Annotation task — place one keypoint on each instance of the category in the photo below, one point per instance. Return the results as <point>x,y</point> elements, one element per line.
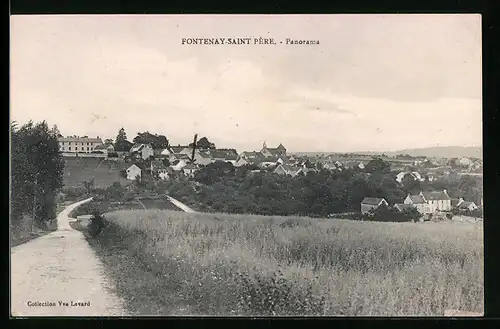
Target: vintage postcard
<point>246,165</point>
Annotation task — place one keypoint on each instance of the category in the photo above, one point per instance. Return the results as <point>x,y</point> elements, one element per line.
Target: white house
<point>415,175</point>
<point>402,207</point>
<point>202,158</point>
<point>166,152</point>
<point>133,172</point>
<point>189,169</point>
<point>369,203</point>
<point>181,164</point>
<point>429,202</point>
<point>466,162</point>
<point>361,165</point>
<point>467,205</point>
<point>143,151</point>
<point>76,144</point>
<point>241,162</point>
<point>284,169</point>
<point>418,202</point>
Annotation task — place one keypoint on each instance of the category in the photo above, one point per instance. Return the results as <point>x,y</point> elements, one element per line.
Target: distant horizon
<point>271,145</point>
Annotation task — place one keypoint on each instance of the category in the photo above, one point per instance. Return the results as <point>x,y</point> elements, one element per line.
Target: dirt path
<point>180,205</point>
<point>51,275</point>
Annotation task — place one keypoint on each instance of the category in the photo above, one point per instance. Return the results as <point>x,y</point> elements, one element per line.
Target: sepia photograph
<point>246,165</point>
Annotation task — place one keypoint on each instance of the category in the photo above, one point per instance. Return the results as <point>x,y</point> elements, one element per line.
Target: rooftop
<point>372,201</point>
<point>79,139</point>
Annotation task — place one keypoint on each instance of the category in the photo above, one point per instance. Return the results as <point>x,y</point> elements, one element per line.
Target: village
<point>142,160</point>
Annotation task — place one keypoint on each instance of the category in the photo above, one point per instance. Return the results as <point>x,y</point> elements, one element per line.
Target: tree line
<point>157,141</point>
<point>220,187</point>
<point>36,172</point>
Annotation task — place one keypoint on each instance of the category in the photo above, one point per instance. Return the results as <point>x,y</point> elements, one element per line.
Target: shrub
<point>96,223</point>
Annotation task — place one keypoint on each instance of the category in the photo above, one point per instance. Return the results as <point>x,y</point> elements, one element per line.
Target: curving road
<point>59,275</point>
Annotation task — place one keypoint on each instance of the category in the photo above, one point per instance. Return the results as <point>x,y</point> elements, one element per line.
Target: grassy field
<point>175,263</point>
<point>78,170</point>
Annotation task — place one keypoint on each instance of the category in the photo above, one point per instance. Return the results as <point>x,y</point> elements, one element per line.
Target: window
<point>82,148</point>
<point>87,148</point>
<point>69,148</point>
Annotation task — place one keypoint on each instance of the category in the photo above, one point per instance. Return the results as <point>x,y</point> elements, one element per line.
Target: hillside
<point>432,152</point>
<point>443,152</point>
<point>78,170</point>
<point>178,263</point>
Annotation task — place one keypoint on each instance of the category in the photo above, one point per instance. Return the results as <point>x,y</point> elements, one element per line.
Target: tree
<point>156,141</point>
<point>203,143</point>
<point>36,171</point>
<point>108,142</point>
<point>410,184</point>
<point>55,131</point>
<point>121,142</point>
<point>378,165</point>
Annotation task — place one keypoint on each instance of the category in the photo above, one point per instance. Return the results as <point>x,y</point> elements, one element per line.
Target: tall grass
<point>219,264</point>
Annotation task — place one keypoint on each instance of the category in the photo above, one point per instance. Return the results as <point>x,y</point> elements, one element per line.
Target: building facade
<point>76,144</point>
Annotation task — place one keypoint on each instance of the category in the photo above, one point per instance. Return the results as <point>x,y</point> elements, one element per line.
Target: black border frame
<point>491,120</point>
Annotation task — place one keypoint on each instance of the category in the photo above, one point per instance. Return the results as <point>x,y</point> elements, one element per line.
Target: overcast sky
<point>375,82</point>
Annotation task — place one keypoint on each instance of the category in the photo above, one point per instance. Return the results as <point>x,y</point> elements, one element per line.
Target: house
<point>438,200</point>
<point>415,175</point>
<point>157,151</point>
<point>187,150</point>
<point>160,170</point>
<point>255,158</point>
<point>142,151</point>
<point>178,149</point>
<point>361,165</point>
<point>133,172</point>
<point>369,203</point>
<point>177,165</point>
<point>202,158</point>
<point>189,169</point>
<point>278,151</point>
<point>282,160</point>
<point>467,205</point>
<point>101,149</point>
<point>76,144</point>
<point>225,155</point>
<point>419,202</point>
<point>241,162</point>
<point>456,202</point>
<point>429,202</point>
<point>306,170</point>
<point>465,162</point>
<point>284,169</point>
<point>403,207</point>
<point>400,176</point>
<point>329,166</point>
<point>166,153</point>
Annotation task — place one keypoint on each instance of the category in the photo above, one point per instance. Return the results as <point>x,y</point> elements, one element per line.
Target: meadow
<point>174,263</point>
